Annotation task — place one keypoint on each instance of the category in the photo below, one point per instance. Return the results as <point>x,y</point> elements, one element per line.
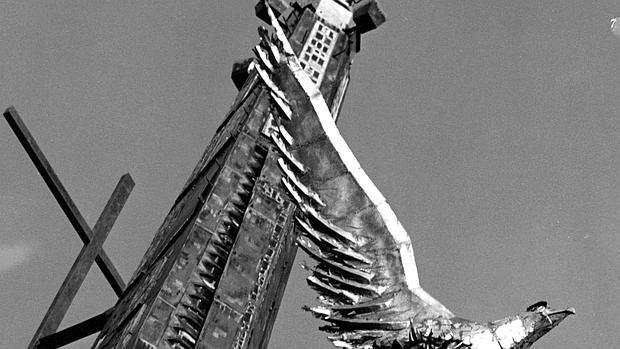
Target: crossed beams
<point>46,335</point>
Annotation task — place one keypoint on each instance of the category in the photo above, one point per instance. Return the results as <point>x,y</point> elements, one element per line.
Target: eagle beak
<point>569,311</point>
<point>557,316</point>
<point>544,320</point>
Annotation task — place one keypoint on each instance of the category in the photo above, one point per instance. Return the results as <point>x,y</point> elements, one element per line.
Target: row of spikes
<point>185,328</point>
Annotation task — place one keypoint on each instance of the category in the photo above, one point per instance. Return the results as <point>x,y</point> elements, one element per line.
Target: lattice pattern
<point>317,50</point>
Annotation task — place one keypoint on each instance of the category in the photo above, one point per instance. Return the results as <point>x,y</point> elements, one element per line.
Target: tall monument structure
<point>215,273</point>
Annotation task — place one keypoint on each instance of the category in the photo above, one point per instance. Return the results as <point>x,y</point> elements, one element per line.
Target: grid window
<point>317,51</point>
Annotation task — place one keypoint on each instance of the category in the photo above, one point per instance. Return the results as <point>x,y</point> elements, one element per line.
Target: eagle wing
<point>365,270</point>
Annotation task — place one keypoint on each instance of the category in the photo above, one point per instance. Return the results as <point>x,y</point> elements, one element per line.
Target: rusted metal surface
<point>62,197</point>
<point>70,286</point>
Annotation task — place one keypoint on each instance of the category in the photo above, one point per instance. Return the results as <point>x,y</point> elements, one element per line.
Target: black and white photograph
<point>309,174</point>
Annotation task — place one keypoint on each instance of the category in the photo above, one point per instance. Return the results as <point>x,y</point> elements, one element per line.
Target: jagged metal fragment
<point>289,187</point>
<point>286,135</point>
<point>365,324</point>
<point>333,230</point>
<point>267,80</point>
<point>318,237</point>
<point>278,142</point>
<point>262,55</point>
<point>334,266</point>
<point>325,288</point>
<point>282,105</point>
<point>265,41</point>
<point>333,247</point>
<point>353,286</point>
<point>303,188</point>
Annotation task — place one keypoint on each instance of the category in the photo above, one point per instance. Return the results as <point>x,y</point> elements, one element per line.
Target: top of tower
<point>359,15</point>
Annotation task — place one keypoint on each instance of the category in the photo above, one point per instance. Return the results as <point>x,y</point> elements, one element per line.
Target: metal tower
<point>215,273</point>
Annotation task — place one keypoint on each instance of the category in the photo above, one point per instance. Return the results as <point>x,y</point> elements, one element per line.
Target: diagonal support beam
<point>81,266</point>
<point>62,197</point>
<point>75,332</point>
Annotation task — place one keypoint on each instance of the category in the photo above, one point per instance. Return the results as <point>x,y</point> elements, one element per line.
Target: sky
<point>491,126</point>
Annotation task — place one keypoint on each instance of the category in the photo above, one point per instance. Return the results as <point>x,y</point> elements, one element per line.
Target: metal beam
<point>81,266</point>
<point>75,332</point>
<point>62,197</point>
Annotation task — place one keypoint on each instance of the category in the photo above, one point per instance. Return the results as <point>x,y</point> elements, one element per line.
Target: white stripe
<point>263,57</point>
<point>346,155</point>
<point>287,136</point>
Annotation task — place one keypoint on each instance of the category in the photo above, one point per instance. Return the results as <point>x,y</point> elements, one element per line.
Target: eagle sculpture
<point>365,272</point>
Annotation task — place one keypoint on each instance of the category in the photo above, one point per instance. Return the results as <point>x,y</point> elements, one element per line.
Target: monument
<point>276,176</point>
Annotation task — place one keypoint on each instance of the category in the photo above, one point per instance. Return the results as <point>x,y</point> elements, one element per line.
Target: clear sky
<point>492,127</point>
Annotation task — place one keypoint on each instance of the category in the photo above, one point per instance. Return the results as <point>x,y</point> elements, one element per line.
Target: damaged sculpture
<point>365,273</point>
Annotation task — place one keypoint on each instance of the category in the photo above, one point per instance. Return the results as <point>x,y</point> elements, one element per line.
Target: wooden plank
<point>75,332</point>
<point>81,266</point>
<point>62,197</point>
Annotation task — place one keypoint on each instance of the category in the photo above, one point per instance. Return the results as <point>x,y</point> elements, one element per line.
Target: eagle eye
<point>536,306</point>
